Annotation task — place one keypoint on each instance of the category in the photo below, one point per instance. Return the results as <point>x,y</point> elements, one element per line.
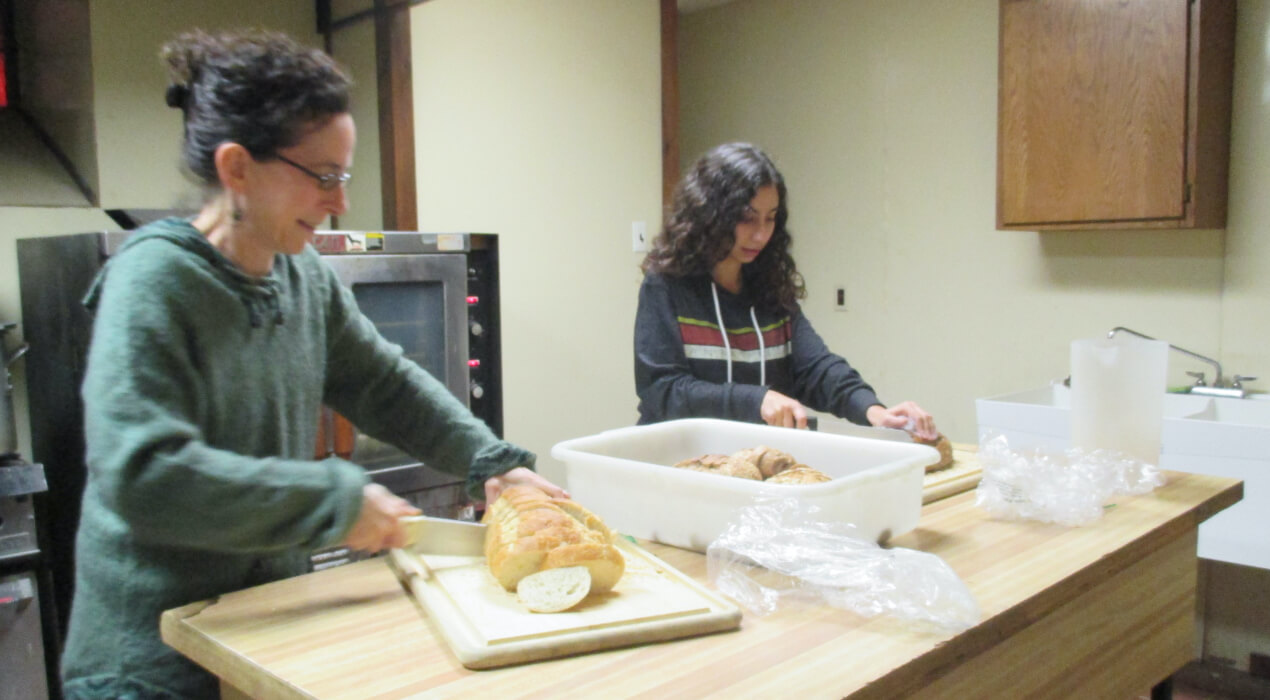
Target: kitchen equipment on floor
<point>28,645</point>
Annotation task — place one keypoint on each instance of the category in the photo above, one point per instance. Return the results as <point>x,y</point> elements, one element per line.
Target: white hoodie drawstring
<point>727,346</point>
<point>762,352</point>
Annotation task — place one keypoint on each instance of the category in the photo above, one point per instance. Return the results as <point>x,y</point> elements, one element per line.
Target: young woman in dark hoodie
<point>215,342</point>
<point>719,332</point>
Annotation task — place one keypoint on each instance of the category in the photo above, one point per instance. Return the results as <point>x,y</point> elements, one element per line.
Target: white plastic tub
<point>626,477</point>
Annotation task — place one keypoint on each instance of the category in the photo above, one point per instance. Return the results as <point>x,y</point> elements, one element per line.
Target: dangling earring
<point>237,214</point>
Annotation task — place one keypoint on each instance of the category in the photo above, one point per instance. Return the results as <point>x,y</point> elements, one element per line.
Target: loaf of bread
<point>799,474</point>
<point>529,531</point>
<point>942,444</point>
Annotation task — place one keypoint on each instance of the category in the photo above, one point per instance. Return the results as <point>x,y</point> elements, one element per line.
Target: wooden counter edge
<point>176,633</point>
<point>920,671</point>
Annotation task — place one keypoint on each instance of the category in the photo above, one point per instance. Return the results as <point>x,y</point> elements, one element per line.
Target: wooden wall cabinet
<point>1114,114</point>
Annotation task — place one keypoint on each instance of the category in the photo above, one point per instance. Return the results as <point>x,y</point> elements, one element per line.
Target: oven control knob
<point>477,390</point>
<point>477,329</point>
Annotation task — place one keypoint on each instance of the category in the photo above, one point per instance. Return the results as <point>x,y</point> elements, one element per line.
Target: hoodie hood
<point>259,294</point>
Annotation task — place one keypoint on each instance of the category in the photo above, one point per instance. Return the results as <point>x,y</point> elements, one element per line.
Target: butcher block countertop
<point>1105,610</point>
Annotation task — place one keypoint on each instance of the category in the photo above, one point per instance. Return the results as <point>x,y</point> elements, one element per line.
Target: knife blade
<point>428,535</point>
<point>842,427</point>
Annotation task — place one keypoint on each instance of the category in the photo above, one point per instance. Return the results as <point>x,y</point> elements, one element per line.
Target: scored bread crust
<point>799,474</point>
<point>529,531</point>
<point>768,461</point>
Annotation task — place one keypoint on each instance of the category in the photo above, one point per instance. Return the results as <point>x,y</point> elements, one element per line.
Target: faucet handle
<point>1239,380</point>
<point>1199,378</point>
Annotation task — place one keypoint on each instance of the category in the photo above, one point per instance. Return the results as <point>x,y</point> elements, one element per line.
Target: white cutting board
<point>486,626</point>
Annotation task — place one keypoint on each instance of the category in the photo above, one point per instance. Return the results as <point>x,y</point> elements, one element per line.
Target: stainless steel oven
<point>435,295</point>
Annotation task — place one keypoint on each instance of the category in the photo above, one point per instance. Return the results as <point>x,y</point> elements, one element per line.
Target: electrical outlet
<point>639,236</point>
<point>840,298</point>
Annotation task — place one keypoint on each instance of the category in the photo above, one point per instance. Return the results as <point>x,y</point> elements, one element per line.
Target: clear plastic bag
<point>779,550</point>
<point>1068,488</point>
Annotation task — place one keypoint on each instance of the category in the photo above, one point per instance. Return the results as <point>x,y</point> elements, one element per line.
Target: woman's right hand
<point>781,410</point>
<point>377,527</point>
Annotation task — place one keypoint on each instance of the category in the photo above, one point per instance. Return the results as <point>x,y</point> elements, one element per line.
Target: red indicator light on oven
<point>473,300</point>
<point>473,363</point>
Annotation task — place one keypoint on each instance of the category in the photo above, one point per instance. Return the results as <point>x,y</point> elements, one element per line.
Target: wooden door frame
<point>395,90</point>
<point>669,99</point>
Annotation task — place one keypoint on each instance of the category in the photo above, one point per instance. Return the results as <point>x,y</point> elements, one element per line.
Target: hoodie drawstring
<point>727,346</point>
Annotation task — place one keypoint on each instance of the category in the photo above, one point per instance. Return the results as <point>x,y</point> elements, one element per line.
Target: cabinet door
<point>1096,124</point>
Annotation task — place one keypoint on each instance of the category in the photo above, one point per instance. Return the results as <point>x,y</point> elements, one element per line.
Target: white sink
<point>1235,412</point>
<point>1200,434</point>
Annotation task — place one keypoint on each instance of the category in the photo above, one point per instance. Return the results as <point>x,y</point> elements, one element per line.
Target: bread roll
<point>768,461</point>
<point>722,465</point>
<point>529,531</point>
<point>799,474</point>
<point>704,463</point>
<point>554,590</point>
<point>942,444</point>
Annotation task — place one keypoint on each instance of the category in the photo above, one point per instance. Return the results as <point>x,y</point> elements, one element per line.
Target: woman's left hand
<point>520,476</point>
<point>905,416</point>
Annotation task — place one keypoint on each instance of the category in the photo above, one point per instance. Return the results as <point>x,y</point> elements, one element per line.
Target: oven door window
<point>420,303</point>
<point>409,314</point>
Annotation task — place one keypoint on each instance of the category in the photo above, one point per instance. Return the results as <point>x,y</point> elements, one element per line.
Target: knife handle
<point>407,566</point>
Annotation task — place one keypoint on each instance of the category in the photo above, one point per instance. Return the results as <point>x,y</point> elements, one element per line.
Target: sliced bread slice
<point>554,590</point>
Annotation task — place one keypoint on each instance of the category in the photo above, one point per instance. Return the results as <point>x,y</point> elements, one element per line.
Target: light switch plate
<point>639,236</point>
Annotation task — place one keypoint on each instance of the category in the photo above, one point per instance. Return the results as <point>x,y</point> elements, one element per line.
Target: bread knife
<point>428,535</point>
<point>842,427</point>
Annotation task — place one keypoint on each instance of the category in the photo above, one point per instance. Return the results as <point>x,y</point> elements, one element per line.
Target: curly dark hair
<point>700,226</point>
<point>252,87</point>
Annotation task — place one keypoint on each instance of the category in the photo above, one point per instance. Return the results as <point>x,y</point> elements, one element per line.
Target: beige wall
<point>138,136</point>
<point>540,121</point>
<point>1245,338</point>
<point>882,117</point>
<point>353,45</point>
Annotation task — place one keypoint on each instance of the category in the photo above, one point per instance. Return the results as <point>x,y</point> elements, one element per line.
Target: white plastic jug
<point>1117,399</point>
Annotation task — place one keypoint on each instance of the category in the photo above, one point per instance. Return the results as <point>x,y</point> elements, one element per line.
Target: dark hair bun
<point>177,95</point>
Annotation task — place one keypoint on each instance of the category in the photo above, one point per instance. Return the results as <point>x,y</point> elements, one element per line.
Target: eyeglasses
<point>325,182</point>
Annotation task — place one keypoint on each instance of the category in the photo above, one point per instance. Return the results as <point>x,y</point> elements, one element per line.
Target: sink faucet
<point>1218,388</point>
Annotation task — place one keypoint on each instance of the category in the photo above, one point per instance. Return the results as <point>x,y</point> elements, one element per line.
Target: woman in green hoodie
<point>215,342</point>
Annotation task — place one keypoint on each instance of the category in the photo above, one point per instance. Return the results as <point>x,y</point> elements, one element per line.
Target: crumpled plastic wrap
<point>1068,488</point>
<point>780,550</point>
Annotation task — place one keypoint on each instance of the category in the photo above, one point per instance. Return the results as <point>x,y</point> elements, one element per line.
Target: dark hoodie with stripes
<point>681,357</point>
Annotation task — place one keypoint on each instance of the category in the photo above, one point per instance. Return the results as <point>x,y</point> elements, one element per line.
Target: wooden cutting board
<point>964,474</point>
<point>486,627</point>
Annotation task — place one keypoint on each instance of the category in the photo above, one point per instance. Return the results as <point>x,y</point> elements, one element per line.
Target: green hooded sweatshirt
<point>201,399</point>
